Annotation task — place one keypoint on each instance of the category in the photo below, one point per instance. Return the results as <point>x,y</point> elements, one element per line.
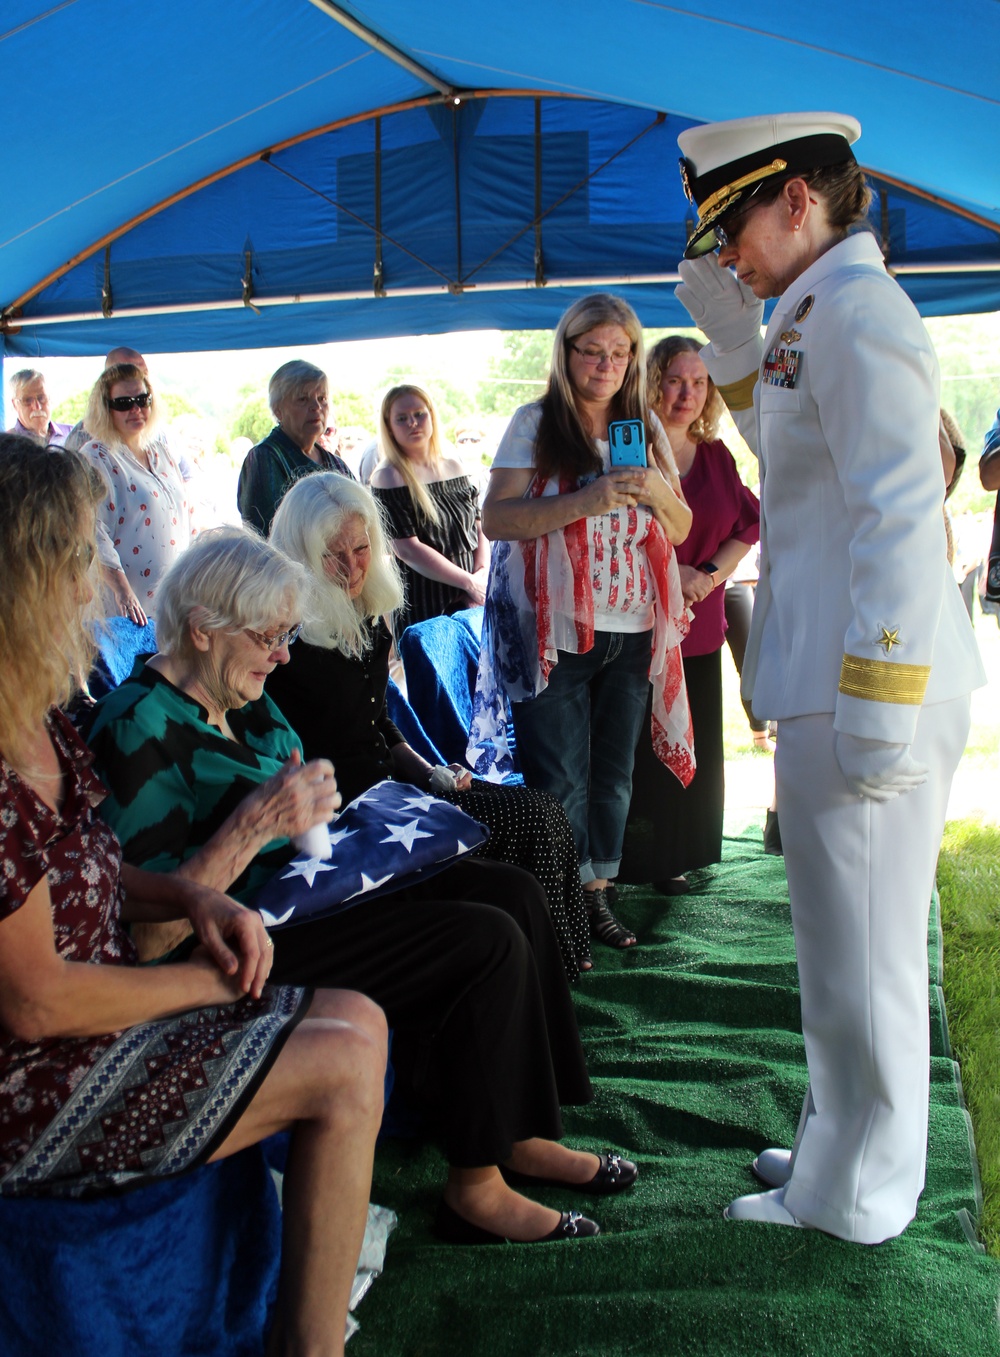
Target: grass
<point>969,885</point>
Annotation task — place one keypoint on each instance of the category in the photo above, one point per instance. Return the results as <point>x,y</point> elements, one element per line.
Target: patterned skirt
<point>160,1099</point>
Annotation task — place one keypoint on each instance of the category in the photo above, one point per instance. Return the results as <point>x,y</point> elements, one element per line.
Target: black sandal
<point>603,924</point>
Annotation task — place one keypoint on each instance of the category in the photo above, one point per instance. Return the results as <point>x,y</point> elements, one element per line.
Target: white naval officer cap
<point>725,163</point>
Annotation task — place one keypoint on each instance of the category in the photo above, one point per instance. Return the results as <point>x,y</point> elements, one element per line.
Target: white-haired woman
<point>299,397</point>
<point>144,521</point>
<point>93,1047</point>
<point>432,511</point>
<point>204,776</point>
<point>333,692</point>
<point>585,607</point>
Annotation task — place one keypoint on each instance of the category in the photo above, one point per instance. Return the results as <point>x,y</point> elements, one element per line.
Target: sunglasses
<point>123,403</point>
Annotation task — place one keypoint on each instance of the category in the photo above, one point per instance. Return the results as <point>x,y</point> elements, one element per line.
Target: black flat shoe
<point>672,885</point>
<point>615,1174</point>
<point>453,1229</point>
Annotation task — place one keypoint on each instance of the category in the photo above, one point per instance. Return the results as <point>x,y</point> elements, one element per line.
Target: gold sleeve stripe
<point>739,395</point>
<point>884,681</point>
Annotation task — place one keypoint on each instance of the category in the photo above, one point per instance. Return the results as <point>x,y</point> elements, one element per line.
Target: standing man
<point>31,405</point>
<point>860,646</point>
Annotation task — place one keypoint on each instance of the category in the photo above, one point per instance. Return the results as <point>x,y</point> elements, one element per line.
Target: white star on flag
<point>308,868</point>
<point>339,835</point>
<point>405,834</point>
<point>367,884</point>
<point>419,802</point>
<point>273,920</point>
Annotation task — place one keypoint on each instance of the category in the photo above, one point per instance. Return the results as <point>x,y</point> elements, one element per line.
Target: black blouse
<point>336,706</point>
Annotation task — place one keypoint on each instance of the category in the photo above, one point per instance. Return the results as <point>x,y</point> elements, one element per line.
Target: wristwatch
<point>710,568</point>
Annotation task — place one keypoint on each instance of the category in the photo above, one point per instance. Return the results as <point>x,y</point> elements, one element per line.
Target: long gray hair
<point>314,511</point>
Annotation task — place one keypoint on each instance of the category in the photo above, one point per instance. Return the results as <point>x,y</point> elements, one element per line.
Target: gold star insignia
<point>888,639</point>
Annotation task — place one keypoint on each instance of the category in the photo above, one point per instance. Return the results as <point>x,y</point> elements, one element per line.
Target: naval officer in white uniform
<point>860,646</point>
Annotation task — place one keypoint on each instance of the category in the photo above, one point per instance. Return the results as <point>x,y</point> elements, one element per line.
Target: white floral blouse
<point>145,522</point>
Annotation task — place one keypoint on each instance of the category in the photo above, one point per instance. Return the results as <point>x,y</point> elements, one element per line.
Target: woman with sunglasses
<point>585,608</point>
<point>144,521</point>
<point>859,647</point>
<point>432,511</point>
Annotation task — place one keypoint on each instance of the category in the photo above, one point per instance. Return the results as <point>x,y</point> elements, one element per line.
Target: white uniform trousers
<point>860,878</point>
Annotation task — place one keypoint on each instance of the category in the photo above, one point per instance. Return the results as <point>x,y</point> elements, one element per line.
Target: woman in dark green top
<point>204,771</point>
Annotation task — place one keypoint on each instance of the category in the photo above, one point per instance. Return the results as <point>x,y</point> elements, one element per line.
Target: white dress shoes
<point>766,1207</point>
<point>773,1167</point>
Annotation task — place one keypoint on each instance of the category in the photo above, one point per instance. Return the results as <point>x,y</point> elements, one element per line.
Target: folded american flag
<point>390,837</point>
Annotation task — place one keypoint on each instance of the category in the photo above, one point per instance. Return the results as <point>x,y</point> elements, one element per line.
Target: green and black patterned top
<point>174,779</point>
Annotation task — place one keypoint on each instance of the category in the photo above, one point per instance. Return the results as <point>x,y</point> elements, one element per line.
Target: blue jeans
<point>577,740</point>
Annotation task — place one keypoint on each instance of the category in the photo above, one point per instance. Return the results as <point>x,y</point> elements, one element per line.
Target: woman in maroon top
<point>672,829</point>
<point>112,1075</point>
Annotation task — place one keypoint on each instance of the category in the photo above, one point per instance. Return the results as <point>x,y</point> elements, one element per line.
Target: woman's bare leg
<point>327,1083</point>
<point>481,1196</point>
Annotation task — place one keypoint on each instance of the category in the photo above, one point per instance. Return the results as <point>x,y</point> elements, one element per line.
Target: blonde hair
<point>705,428</point>
<point>315,510</point>
<point>98,421</point>
<point>391,452</point>
<point>47,544</point>
<point>563,445</point>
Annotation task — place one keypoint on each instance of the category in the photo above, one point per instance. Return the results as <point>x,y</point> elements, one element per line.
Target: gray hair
<point>22,379</point>
<point>291,377</point>
<point>313,512</point>
<point>229,579</point>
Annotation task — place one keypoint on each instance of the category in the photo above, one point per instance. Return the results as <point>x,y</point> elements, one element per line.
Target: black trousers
<point>467,969</point>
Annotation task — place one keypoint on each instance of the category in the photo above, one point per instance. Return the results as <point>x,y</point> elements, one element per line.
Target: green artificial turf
<point>694,1046</point>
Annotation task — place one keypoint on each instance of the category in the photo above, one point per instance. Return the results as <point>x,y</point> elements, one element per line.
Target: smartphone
<point>627,438</point>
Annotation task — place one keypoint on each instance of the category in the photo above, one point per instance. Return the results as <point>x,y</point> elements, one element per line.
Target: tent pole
<point>367,35</point>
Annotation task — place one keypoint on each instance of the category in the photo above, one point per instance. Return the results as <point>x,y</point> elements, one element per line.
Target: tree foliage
<point>520,375</point>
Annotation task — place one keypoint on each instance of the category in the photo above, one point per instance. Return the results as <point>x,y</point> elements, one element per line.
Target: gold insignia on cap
<point>884,681</point>
<point>804,307</point>
<point>686,180</point>
<point>716,203</point>
<point>790,336</point>
<point>888,639</point>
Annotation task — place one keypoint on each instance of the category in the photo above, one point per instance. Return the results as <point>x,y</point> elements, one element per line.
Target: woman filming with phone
<point>584,608</point>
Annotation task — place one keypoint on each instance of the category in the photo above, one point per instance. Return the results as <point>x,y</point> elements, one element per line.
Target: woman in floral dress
<point>111,1075</point>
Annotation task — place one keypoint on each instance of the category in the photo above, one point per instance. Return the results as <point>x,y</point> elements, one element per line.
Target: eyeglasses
<point>277,641</point>
<point>32,401</point>
<point>123,403</point>
<point>414,417</point>
<point>592,357</point>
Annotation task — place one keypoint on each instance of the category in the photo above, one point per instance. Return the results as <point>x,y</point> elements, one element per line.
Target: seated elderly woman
<point>299,397</point>
<point>333,692</point>
<point>205,777</point>
<point>74,1005</point>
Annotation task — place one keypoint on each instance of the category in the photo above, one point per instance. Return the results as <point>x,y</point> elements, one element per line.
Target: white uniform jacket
<point>857,612</point>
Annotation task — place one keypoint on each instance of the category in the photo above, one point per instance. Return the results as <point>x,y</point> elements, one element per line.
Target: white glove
<point>719,303</point>
<point>876,769</point>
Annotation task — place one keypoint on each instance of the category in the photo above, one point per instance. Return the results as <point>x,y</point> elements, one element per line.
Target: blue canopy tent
<point>280,171</point>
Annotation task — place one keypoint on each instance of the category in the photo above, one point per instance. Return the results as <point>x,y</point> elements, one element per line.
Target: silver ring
<point>269,943</point>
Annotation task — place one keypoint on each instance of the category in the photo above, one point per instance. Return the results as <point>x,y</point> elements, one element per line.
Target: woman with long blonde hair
<point>81,1022</point>
<point>432,511</point>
